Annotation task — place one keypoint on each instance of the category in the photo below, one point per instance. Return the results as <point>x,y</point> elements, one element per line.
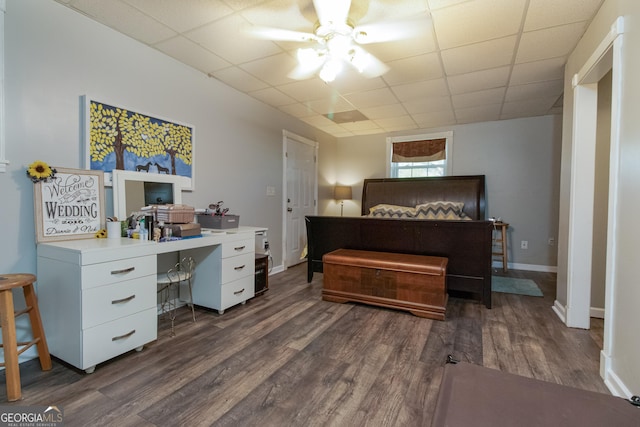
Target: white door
<point>300,194</point>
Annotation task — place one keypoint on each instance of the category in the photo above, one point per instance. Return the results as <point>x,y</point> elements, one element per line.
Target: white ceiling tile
<point>272,69</point>
<point>525,108</point>
<point>361,125</point>
<point>415,68</point>
<point>486,79</point>
<point>183,15</point>
<point>538,71</point>
<point>437,118</point>
<point>417,42</point>
<point>396,123</point>
<point>298,110</point>
<point>272,97</point>
<point>283,14</point>
<point>428,105</point>
<point>387,10</point>
<point>384,111</point>
<point>480,20</point>
<point>309,90</point>
<point>239,79</point>
<point>550,89</point>
<point>232,28</point>
<point>350,81</point>
<point>549,43</point>
<point>372,98</point>
<point>439,4</point>
<point>479,56</point>
<point>330,105</point>
<point>551,13</point>
<point>190,53</point>
<point>475,99</point>
<point>126,19</point>
<point>242,4</point>
<point>485,113</point>
<point>318,121</point>
<point>421,90</point>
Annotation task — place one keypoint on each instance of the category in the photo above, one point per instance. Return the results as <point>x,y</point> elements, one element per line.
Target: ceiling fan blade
<point>304,71</point>
<point>332,11</point>
<point>279,34</point>
<point>367,64</point>
<point>380,32</point>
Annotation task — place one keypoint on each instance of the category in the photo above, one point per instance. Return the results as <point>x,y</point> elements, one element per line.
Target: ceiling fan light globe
<point>330,70</point>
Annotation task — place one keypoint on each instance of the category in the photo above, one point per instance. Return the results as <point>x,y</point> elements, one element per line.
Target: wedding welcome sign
<point>70,205</point>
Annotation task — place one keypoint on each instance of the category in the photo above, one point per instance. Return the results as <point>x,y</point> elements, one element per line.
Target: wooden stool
<point>8,323</point>
<point>500,228</point>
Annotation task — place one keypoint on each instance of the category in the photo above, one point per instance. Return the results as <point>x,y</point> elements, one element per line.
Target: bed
<point>465,242</point>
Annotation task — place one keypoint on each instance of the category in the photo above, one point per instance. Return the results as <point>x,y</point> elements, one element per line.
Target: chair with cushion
<point>168,282</point>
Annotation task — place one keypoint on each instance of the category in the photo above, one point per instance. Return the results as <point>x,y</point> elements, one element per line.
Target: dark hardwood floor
<point>287,358</point>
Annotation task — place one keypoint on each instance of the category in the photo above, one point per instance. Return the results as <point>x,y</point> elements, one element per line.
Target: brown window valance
<point>420,151</point>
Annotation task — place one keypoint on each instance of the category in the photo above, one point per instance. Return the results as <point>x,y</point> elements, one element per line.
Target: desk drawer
<point>111,339</point>
<point>237,267</point>
<point>237,292</point>
<point>238,247</point>
<point>115,271</point>
<point>110,302</point>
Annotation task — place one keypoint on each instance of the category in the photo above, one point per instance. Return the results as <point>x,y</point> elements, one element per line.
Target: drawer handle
<point>239,268</point>
<point>239,248</point>
<point>120,301</point>
<point>239,292</point>
<point>121,337</point>
<point>126,270</point>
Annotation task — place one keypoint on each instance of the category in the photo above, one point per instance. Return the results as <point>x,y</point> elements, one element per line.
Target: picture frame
<point>69,206</point>
<point>119,138</point>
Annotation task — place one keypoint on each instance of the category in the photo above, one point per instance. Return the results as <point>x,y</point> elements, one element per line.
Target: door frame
<point>286,135</point>
<point>607,56</point>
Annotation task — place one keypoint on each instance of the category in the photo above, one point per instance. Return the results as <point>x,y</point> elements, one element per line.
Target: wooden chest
<point>415,283</point>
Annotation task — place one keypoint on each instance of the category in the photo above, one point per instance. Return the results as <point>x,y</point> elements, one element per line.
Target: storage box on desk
<point>218,221</point>
<point>175,214</point>
<point>185,230</point>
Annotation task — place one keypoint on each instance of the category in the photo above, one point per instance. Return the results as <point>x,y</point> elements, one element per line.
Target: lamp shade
<point>342,192</point>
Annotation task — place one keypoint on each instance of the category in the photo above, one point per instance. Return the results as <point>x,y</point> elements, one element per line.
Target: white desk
<point>98,297</point>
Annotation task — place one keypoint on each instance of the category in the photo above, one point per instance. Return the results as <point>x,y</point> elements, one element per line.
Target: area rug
<point>511,285</point>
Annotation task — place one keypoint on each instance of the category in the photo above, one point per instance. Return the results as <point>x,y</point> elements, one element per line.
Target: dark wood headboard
<point>413,191</point>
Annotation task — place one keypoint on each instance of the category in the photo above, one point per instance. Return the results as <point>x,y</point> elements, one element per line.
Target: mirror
<point>129,190</point>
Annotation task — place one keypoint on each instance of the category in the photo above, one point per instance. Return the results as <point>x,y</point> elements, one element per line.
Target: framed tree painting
<point>119,138</point>
<point>69,206</point>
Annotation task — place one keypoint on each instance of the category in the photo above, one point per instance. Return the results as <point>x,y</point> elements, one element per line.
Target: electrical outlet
<point>524,244</point>
<point>551,241</point>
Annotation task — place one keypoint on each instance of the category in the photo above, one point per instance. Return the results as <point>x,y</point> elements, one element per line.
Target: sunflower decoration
<point>40,171</point>
<point>101,234</point>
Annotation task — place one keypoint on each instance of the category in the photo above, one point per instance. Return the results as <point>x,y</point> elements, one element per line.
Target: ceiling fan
<point>336,41</point>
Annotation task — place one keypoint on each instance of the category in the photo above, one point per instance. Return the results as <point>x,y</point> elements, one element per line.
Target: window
<point>420,155</point>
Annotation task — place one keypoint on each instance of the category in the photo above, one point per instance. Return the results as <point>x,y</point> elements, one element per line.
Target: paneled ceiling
<point>471,60</point>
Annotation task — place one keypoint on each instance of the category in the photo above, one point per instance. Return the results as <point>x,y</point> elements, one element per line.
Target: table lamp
<point>342,193</point>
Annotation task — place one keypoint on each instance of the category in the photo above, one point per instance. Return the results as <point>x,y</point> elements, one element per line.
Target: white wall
<point>54,55</point>
<point>621,365</point>
<point>521,161</point>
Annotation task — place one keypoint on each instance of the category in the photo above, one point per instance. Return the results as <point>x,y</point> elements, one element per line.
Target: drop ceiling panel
<point>415,68</point>
<point>473,54</point>
<point>551,13</point>
<point>486,79</point>
<point>537,71</point>
<point>479,56</point>
<point>549,43</point>
<point>421,90</point>
<point>191,53</point>
<point>182,15</point>
<point>469,22</point>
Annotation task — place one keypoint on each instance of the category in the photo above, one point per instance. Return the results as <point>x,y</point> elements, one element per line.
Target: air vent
<point>346,116</point>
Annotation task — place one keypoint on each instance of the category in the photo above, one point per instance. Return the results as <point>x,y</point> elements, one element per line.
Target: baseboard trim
<point>560,310</point>
<point>527,267</point>
<point>277,269</point>
<point>598,313</point>
<point>613,382</point>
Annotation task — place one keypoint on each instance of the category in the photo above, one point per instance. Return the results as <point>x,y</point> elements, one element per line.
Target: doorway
<point>584,192</point>
<point>300,195</point>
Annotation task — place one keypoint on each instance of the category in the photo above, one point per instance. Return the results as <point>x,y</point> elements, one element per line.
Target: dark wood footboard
<point>466,244</point>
